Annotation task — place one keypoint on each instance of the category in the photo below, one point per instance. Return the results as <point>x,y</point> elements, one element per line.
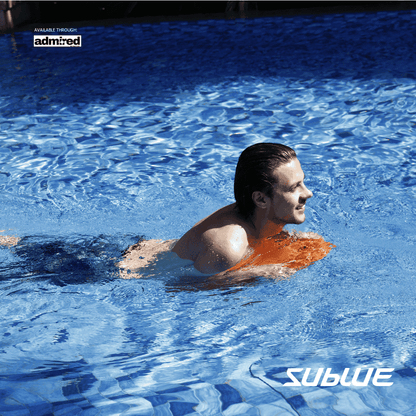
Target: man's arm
<point>273,271</point>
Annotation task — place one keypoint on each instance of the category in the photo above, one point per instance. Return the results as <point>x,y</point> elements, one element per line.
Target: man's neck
<point>264,227</point>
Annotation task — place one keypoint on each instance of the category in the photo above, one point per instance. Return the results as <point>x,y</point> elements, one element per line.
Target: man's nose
<point>307,193</point>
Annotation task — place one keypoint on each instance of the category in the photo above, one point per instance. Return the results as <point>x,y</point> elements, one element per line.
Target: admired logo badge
<point>57,41</point>
<point>330,379</point>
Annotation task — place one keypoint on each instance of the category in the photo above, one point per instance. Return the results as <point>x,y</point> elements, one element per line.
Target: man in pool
<point>245,238</point>
<point>248,236</point>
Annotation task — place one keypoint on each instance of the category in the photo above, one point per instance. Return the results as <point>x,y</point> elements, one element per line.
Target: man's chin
<point>298,219</point>
<point>301,218</point>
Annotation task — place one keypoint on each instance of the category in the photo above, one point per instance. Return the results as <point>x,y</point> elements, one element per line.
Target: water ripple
<point>105,141</point>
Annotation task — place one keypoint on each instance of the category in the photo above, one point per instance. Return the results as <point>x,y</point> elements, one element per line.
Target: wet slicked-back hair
<point>254,172</point>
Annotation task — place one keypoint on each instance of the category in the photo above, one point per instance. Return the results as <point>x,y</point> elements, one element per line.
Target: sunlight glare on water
<point>107,144</point>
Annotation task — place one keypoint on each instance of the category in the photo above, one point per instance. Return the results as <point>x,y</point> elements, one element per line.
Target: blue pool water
<point>136,135</point>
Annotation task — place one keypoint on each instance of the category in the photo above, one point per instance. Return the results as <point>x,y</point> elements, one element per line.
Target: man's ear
<point>260,199</point>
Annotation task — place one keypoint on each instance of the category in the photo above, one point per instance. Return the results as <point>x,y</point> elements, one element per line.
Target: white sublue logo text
<point>330,379</point>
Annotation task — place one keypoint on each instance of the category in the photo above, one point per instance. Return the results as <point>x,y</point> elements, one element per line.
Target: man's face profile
<point>289,194</point>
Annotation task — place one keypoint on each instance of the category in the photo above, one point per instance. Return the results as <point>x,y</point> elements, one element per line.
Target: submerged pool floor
<point>136,135</point>
<point>254,392</point>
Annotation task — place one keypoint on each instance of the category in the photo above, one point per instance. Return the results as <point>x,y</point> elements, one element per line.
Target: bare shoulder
<point>222,247</point>
<point>215,243</point>
<point>228,237</point>
<point>207,231</point>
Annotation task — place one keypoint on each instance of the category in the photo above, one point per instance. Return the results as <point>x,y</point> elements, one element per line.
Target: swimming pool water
<point>136,135</point>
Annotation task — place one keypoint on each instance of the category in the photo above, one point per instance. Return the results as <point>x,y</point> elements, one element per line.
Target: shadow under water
<point>80,259</point>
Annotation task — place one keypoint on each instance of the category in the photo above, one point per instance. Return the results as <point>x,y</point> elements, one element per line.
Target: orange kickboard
<point>295,253</point>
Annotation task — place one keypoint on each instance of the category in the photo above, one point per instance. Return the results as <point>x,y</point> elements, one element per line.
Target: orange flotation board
<point>289,251</point>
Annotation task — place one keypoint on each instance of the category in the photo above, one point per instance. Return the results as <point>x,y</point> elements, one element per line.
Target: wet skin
<point>223,239</point>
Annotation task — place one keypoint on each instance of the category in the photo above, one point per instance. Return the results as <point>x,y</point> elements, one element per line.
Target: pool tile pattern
<point>260,391</point>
